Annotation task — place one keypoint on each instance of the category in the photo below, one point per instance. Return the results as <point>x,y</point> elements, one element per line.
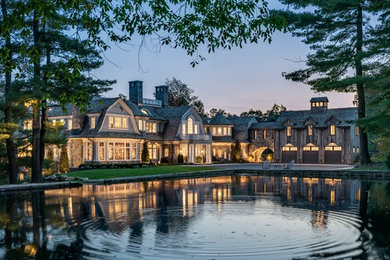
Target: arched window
<point>190,126</point>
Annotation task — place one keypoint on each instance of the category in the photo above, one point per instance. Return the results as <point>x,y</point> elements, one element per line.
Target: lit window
<point>310,130</point>
<point>93,122</point>
<point>224,131</point>
<point>357,150</point>
<point>214,131</point>
<point>88,154</point>
<point>27,125</point>
<point>69,124</point>
<point>357,131</point>
<point>152,151</point>
<point>219,130</point>
<point>317,104</point>
<point>118,122</point>
<point>124,122</point>
<point>265,134</point>
<point>288,130</point>
<point>110,151</point>
<point>183,130</point>
<point>119,151</point>
<point>205,130</point>
<point>101,152</point>
<point>128,149</point>
<point>332,130</point>
<point>321,104</point>
<point>354,149</point>
<point>289,148</point>
<point>196,129</point>
<point>313,104</point>
<point>141,125</point>
<point>151,127</point>
<point>255,134</point>
<point>190,126</point>
<point>111,122</point>
<point>229,131</point>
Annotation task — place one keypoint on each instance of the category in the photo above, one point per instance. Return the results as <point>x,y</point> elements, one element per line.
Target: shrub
<point>388,160</point>
<point>180,158</point>
<point>199,159</point>
<point>236,152</point>
<point>63,165</point>
<point>215,158</point>
<point>50,162</point>
<point>164,160</point>
<point>145,153</point>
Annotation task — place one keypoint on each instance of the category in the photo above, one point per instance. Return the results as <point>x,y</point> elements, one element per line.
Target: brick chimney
<point>162,95</point>
<point>136,91</point>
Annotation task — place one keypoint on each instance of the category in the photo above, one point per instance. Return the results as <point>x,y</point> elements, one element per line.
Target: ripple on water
<point>236,230</point>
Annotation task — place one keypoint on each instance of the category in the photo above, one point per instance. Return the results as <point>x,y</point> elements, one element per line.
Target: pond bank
<point>333,174</point>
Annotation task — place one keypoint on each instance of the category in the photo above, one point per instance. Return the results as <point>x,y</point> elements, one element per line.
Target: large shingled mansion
<point>114,130</point>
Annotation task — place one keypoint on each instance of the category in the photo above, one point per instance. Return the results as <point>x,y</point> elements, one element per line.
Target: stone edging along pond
<point>334,174</point>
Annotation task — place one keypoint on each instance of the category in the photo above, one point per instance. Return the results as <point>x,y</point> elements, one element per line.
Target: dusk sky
<point>234,80</point>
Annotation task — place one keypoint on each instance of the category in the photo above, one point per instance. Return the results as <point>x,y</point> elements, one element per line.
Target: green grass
<point>117,173</point>
<point>372,167</point>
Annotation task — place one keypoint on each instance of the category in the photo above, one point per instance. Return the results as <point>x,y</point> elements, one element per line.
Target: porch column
<point>210,153</point>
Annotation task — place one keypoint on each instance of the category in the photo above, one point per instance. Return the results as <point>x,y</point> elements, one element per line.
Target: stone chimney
<point>162,95</point>
<point>319,104</point>
<point>136,91</point>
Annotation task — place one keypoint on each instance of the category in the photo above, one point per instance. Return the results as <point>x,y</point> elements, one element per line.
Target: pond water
<point>228,217</point>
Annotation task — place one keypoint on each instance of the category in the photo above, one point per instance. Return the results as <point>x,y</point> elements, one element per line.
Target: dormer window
<point>190,123</point>
<point>117,122</point>
<point>309,130</point>
<point>183,129</point>
<point>69,124</point>
<point>289,131</point>
<point>357,131</point>
<point>332,130</point>
<point>92,122</point>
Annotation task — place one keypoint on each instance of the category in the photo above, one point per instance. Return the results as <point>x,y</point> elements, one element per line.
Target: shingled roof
<point>319,99</point>
<point>174,116</point>
<point>53,111</point>
<point>345,117</point>
<point>219,119</point>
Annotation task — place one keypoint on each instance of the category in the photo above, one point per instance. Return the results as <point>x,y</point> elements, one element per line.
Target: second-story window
<point>141,125</point>
<point>190,126</point>
<point>332,130</point>
<point>151,127</point>
<point>357,130</point>
<point>27,125</point>
<point>183,129</point>
<point>255,134</point>
<point>265,134</point>
<point>92,122</point>
<point>196,129</point>
<point>309,130</point>
<point>288,130</point>
<point>117,122</point>
<point>69,124</point>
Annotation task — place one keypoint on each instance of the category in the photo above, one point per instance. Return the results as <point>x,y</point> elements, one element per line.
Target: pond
<point>227,217</point>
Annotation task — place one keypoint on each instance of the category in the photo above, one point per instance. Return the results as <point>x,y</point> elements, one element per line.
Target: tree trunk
<point>36,134</point>
<point>365,157</point>
<point>11,151</point>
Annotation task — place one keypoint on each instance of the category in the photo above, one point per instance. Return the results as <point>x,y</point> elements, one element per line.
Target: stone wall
<point>76,151</point>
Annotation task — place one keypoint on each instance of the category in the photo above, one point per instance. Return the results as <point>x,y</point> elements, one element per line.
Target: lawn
<point>117,173</point>
<point>372,167</point>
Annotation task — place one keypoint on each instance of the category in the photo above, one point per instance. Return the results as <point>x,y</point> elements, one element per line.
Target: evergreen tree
<point>336,32</point>
<point>145,157</point>
<point>236,152</point>
<point>63,164</point>
<point>50,158</point>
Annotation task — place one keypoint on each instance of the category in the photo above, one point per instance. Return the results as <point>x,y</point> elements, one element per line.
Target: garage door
<point>310,157</point>
<point>333,157</point>
<point>289,156</point>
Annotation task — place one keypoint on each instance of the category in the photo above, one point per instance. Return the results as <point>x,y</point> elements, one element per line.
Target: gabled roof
<point>241,119</point>
<point>263,125</point>
<point>174,116</point>
<point>53,111</point>
<point>219,119</point>
<point>346,116</point>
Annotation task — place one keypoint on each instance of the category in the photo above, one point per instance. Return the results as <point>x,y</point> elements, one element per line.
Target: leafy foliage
<point>50,157</point>
<point>145,156</point>
<point>236,152</point>
<point>63,164</point>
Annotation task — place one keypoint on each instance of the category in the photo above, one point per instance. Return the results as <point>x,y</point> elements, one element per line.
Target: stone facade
<point>114,130</point>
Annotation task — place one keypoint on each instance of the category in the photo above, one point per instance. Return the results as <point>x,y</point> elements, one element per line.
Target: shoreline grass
<point>95,174</point>
<point>372,167</point>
